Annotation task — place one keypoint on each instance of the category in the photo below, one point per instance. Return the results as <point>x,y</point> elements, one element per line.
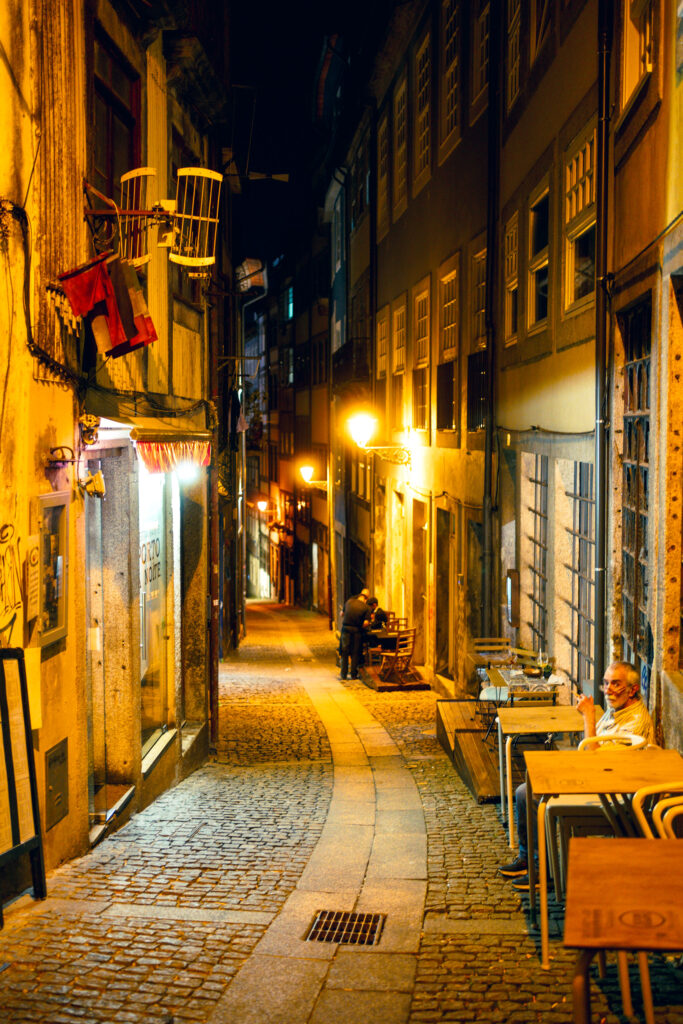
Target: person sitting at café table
<point>625,713</point>
<point>378,617</point>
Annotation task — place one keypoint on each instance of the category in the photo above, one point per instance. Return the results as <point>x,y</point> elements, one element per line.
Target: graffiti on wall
<point>10,583</point>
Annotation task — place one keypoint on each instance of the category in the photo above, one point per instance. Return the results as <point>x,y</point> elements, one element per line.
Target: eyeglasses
<point>616,688</point>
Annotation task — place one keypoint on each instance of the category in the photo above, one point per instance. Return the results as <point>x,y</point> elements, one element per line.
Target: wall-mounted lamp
<point>58,456</point>
<point>94,485</point>
<point>307,475</point>
<point>362,427</point>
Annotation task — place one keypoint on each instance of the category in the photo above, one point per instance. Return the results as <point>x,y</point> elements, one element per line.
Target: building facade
<point>117,633</point>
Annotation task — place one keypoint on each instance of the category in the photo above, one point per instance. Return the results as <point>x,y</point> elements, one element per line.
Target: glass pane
<point>539,225</point>
<point>121,154</point>
<point>101,151</point>
<point>541,294</point>
<point>121,83</point>
<point>101,63</point>
<point>584,264</point>
<point>152,600</point>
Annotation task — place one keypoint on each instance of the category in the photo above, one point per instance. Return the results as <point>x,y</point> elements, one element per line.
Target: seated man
<point>378,617</point>
<point>625,713</point>
<point>355,622</point>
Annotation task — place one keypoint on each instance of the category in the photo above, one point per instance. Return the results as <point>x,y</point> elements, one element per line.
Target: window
<point>420,398</point>
<point>117,93</point>
<point>510,263</point>
<point>447,370</point>
<point>477,390</point>
<point>448,310</point>
<point>480,56</point>
<point>398,363</point>
<point>273,463</point>
<point>513,54</point>
<point>450,73</point>
<point>382,341</point>
<point>636,329</point>
<point>399,340</point>
<point>400,148</point>
<point>582,601</point>
<point>538,568</point>
<point>338,232</point>
<point>637,47</point>
<point>421,325</point>
<point>479,299</point>
<point>539,230</point>
<point>360,183</point>
<point>382,178</point>
<point>580,222</point>
<point>540,25</point>
<point>360,473</point>
<point>423,113</point>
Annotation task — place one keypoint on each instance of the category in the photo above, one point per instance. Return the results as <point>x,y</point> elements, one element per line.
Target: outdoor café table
<point>573,772</point>
<point>523,721</point>
<point>622,894</point>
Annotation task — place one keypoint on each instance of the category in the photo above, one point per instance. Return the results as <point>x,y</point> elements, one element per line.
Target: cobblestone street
<point>323,795</point>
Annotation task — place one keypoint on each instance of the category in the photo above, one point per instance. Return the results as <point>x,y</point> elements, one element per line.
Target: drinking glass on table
<point>542,659</point>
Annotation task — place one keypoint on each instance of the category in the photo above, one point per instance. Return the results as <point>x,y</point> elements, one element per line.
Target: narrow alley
<point>323,796</point>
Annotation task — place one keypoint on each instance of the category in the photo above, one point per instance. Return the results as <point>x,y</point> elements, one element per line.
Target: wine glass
<point>542,659</point>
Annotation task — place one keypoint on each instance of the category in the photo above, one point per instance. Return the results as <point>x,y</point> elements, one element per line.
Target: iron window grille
<point>636,326</point>
<point>538,567</point>
<point>476,390</point>
<point>582,602</point>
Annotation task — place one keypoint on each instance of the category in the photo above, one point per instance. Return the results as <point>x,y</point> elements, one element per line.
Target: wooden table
<point>522,721</point>
<point>610,774</point>
<point>623,894</point>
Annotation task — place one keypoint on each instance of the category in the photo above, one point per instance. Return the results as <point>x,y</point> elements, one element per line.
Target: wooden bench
<point>396,664</point>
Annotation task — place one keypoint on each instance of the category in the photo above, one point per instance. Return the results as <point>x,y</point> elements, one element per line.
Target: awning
<point>165,439</point>
<point>161,451</point>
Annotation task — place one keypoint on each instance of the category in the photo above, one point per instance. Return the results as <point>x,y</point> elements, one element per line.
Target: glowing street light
<point>362,426</point>
<point>307,472</point>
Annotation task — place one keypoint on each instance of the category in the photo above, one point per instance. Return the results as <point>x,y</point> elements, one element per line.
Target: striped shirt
<point>634,718</point>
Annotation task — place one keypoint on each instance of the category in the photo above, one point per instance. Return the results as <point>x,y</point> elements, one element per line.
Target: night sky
<point>276,48</point>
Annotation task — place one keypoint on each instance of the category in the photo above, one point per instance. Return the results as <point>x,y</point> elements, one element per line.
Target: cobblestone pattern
<point>224,839</point>
<point>66,968</point>
<point>235,836</point>
<point>490,978</point>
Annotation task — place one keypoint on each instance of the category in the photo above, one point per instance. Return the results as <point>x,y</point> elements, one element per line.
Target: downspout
<point>605,21</point>
<point>487,625</point>
<point>214,533</point>
<point>372,214</point>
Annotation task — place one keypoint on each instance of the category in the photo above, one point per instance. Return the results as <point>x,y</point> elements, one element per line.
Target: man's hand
<point>586,708</point>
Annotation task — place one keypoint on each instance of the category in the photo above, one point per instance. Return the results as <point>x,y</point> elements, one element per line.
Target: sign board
<point>19,810</point>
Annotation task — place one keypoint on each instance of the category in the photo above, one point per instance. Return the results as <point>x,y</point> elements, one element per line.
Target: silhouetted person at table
<point>378,617</point>
<point>625,713</point>
<point>355,621</point>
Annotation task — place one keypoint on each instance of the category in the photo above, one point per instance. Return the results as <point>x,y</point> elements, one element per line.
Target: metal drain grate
<point>344,926</point>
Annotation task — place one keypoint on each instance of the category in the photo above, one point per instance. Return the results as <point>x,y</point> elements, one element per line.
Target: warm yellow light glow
<point>362,426</point>
<point>307,473</point>
<point>262,506</point>
<point>187,472</point>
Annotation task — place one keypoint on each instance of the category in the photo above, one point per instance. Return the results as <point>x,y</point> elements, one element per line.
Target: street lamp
<point>307,472</point>
<point>362,426</point>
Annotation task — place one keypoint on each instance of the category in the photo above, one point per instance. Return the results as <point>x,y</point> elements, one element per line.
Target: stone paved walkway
<point>323,795</point>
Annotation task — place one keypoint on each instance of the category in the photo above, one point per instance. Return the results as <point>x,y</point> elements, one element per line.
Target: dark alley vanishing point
<point>323,796</point>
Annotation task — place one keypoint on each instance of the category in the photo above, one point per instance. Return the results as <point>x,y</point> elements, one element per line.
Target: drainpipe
<point>605,21</point>
<point>214,541</point>
<point>495,64</point>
